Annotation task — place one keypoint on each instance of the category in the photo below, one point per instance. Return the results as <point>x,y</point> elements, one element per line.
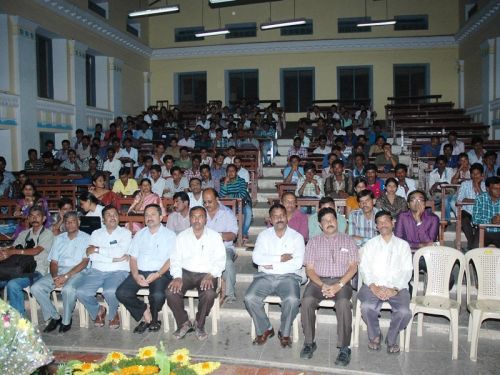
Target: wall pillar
<point>116,96</point>
<point>78,91</point>
<point>147,89</point>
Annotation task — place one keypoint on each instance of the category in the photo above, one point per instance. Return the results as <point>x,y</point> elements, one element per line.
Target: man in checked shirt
<point>331,261</point>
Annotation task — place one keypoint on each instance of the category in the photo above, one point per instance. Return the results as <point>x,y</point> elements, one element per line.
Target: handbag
<point>17,266</point>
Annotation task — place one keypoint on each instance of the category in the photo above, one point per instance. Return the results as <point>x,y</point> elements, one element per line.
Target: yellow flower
<point>147,352</point>
<point>180,356</point>
<point>23,324</point>
<point>85,368</point>
<point>115,357</point>
<point>139,369</point>
<point>205,367</point>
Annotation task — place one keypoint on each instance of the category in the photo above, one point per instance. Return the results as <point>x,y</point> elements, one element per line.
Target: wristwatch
<point>341,284</point>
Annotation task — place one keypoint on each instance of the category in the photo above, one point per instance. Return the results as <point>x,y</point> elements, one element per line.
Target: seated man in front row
<point>279,253</point>
<point>198,260</point>
<point>486,210</point>
<point>150,253</point>
<point>386,269</point>
<point>331,261</point>
<point>67,258</point>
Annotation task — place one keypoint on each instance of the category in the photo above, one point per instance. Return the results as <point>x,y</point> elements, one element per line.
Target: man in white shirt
<point>195,195</point>
<point>157,181</point>
<point>187,141</point>
<point>67,258</point>
<point>179,219</point>
<point>150,116</point>
<point>386,269</point>
<point>150,253</point>
<point>108,253</point>
<point>439,176</point>
<point>197,261</point>
<point>128,155</point>
<point>176,184</point>
<point>405,185</point>
<point>222,220</point>
<point>279,254</point>
<point>458,146</point>
<point>112,164</point>
<point>322,149</point>
<point>242,172</point>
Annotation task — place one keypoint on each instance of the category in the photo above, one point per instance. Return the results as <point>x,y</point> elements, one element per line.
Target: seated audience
<point>218,170</point>
<point>150,264</point>
<point>358,168</point>
<point>439,176</point>
<point>30,198</point>
<point>467,193</point>
<point>386,161</point>
<point>297,149</point>
<point>63,205</point>
<point>462,173</point>
<point>374,183</point>
<point>430,150</point>
<point>112,165</point>
<point>296,219</point>
<point>322,148</point>
<point>35,241</point>
<point>390,201</point>
<point>293,171</point>
<point>458,146</point>
<point>377,148</point>
<point>310,185</point>
<point>128,155</point>
<point>313,222</point>
<point>405,185</point>
<point>386,269</point>
<point>157,181</point>
<point>486,210</point>
<point>178,220</point>
<point>491,169</point>
<point>33,164</point>
<point>331,261</point>
<point>242,171</point>
<point>144,171</point>
<point>195,192</point>
<point>90,205</point>
<point>418,226</point>
<point>338,185</point>
<point>198,259</point>
<point>184,161</point>
<point>99,190</point>
<point>452,160</point>
<point>362,221</point>
<point>125,186</point>
<point>142,199</point>
<point>351,203</point>
<point>207,180</point>
<point>108,254</point>
<point>72,163</point>
<point>67,259</point>
<point>477,152</point>
<point>194,170</point>
<point>279,255</point>
<point>175,184</point>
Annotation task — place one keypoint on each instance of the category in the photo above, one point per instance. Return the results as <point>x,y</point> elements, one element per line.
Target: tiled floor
<point>430,354</point>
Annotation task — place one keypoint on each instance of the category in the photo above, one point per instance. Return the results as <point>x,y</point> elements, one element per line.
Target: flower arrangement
<point>21,349</point>
<point>149,360</point>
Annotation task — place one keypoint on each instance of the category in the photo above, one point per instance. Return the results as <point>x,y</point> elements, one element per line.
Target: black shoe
<point>142,327</point>
<point>308,350</point>
<point>65,327</point>
<point>53,324</point>
<point>154,326</point>
<point>344,356</point>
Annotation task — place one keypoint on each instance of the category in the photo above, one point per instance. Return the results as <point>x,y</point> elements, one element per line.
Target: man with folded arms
<point>150,253</point>
<point>197,261</point>
<point>67,258</point>
<point>331,261</point>
<point>279,254</point>
<point>108,252</point>
<point>386,269</point>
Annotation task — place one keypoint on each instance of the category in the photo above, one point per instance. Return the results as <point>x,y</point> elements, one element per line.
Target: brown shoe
<point>262,339</point>
<point>285,341</point>
<point>115,323</point>
<point>101,316</point>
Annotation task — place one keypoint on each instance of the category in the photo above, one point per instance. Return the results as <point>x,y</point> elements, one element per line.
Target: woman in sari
<point>99,190</point>
<point>144,197</point>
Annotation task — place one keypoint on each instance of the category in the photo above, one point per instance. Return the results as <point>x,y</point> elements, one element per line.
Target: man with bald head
<point>222,220</point>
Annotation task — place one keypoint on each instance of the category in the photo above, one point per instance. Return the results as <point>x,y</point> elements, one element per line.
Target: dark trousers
<point>343,309</point>
<point>206,298</point>
<point>127,294</point>
<point>470,231</point>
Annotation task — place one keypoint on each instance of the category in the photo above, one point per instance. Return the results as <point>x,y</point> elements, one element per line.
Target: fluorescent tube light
<point>220,1</point>
<point>376,23</point>
<point>213,32</point>
<point>154,11</point>
<point>278,24</point>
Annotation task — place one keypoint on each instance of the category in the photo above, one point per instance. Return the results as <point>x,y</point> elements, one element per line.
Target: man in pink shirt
<point>296,219</point>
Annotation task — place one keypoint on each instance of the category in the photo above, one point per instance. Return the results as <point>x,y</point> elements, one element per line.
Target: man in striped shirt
<point>362,221</point>
<point>331,261</point>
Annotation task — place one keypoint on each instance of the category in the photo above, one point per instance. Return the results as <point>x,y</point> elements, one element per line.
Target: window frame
<point>427,78</point>
<point>46,71</point>
<point>227,79</point>
<point>370,83</point>
<point>178,86</point>
<point>282,86</point>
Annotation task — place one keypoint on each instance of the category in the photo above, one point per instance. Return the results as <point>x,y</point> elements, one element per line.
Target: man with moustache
<point>150,253</point>
<point>279,254</point>
<point>197,261</point>
<point>331,261</point>
<point>362,221</point>
<point>386,269</point>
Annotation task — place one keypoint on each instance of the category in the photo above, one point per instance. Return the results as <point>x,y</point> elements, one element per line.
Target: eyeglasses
<point>416,200</point>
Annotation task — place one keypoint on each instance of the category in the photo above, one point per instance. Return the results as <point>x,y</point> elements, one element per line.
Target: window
<point>411,80</point>
<point>192,88</point>
<point>99,6</point>
<point>297,89</point>
<point>241,30</point>
<point>90,80</point>
<point>348,25</point>
<point>305,29</point>
<point>411,22</point>
<point>242,84</point>
<point>354,82</point>
<point>134,27</point>
<point>44,68</point>
<point>187,34</point>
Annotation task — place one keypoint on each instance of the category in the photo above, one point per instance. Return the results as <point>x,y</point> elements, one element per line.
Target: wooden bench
<point>53,193</point>
<point>413,99</point>
<point>54,178</point>
<point>482,228</point>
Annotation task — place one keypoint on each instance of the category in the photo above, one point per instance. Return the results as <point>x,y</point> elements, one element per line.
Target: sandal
<point>375,343</point>
<point>393,349</point>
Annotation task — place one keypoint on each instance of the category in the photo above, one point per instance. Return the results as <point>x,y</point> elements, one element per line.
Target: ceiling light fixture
<point>283,23</point>
<point>154,11</point>
<point>220,1</point>
<point>369,23</point>
<point>213,32</point>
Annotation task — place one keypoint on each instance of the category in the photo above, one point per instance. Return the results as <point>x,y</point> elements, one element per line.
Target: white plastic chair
<point>33,306</point>
<point>125,314</point>
<point>487,305</point>
<point>277,300</point>
<point>79,306</point>
<point>436,300</point>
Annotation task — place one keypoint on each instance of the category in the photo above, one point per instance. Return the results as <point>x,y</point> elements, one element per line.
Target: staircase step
<point>283,150</point>
<point>281,161</point>
<point>285,142</point>
<point>261,210</point>
<point>272,172</point>
<point>263,194</point>
<point>269,182</point>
